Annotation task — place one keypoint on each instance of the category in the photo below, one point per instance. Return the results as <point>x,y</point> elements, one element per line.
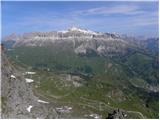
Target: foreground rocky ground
<point>18,100</point>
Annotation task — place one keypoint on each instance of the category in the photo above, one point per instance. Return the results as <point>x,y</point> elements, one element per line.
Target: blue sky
<point>133,18</point>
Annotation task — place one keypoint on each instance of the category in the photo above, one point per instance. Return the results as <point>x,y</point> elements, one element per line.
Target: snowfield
<point>29,80</point>
<point>12,76</point>
<point>31,73</point>
<point>64,109</point>
<point>29,108</point>
<point>96,116</point>
<point>41,101</point>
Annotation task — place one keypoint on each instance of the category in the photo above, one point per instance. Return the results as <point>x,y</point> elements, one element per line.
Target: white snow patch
<point>83,30</point>
<point>31,73</point>
<point>96,116</point>
<point>29,108</point>
<point>64,109</point>
<point>12,76</point>
<point>69,108</point>
<point>41,101</point>
<point>29,80</point>
<point>101,48</point>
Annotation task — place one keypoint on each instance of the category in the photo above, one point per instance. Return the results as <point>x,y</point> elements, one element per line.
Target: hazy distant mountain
<point>82,41</point>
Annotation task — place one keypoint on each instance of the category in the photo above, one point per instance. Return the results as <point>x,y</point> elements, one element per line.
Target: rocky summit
<point>82,41</point>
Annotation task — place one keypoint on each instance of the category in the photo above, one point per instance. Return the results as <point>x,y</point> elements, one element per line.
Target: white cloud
<point>126,9</point>
<point>132,18</point>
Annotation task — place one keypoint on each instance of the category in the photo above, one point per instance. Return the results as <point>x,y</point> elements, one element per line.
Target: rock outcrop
<point>81,41</point>
<point>117,114</point>
<point>17,98</point>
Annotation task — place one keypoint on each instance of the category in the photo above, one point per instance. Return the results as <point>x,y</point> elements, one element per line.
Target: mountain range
<point>90,69</point>
<point>82,41</point>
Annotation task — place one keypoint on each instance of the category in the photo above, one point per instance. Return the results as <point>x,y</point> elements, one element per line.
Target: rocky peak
<point>82,41</point>
<point>74,28</point>
<point>10,37</point>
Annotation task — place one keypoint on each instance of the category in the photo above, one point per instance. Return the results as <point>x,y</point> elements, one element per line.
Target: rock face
<point>117,114</point>
<point>82,41</point>
<point>18,100</point>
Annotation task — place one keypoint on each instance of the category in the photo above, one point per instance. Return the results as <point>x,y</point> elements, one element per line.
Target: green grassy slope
<point>108,83</point>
